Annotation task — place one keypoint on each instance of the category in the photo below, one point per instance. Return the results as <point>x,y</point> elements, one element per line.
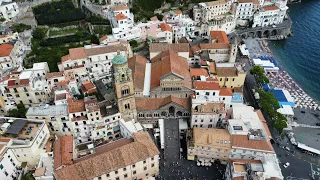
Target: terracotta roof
<point>204,63</point>
<point>63,151</point>
<point>143,104</point>
<point>93,108</point>
<point>159,47</point>
<point>242,141</point>
<point>225,92</point>
<point>255,1</point>
<point>3,139</point>
<point>120,17</point>
<point>154,18</point>
<point>197,72</point>
<point>246,161</point>
<point>77,53</point>
<point>244,1</point>
<point>5,49</point>
<point>105,49</point>
<point>212,67</point>
<point>212,137</point>
<point>238,178</point>
<point>270,8</point>
<point>138,66</point>
<point>60,96</point>
<point>207,46</point>
<point>76,106</point>
<point>195,48</point>
<point>214,3</point>
<point>177,12</point>
<point>264,122</point>
<point>110,160</point>
<point>88,87</point>
<point>220,36</point>
<point>212,108</point>
<point>62,83</point>
<point>54,74</point>
<point>169,62</point>
<point>65,58</point>
<point>165,27</point>
<point>24,81</point>
<point>226,71</point>
<point>120,8</point>
<point>206,85</point>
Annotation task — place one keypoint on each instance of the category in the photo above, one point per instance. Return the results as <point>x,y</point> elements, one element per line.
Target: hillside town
<point>189,93</point>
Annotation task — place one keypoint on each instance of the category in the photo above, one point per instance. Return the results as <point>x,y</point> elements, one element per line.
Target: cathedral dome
<point>119,59</point>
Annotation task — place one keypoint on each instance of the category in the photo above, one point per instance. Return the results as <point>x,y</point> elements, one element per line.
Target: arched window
<point>125,90</point>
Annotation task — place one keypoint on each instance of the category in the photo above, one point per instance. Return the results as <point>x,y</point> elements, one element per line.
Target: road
<point>172,167</point>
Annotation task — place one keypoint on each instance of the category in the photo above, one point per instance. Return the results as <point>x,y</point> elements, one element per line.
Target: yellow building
<point>208,144</point>
<point>229,75</point>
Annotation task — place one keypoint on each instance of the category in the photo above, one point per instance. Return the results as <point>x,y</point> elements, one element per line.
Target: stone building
<point>162,86</point>
<point>124,89</point>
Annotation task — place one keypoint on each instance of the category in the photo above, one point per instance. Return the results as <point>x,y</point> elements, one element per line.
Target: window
<point>5,172</point>
<point>134,172</point>
<point>232,79</point>
<point>152,165</point>
<point>108,175</point>
<point>99,178</point>
<point>133,166</point>
<point>125,176</point>
<point>17,95</point>
<point>207,93</point>
<point>145,168</point>
<point>116,172</point>
<point>144,162</point>
<point>124,169</point>
<point>30,101</point>
<point>1,166</point>
<point>152,158</point>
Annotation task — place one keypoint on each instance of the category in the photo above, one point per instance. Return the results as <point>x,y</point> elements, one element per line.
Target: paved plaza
<point>174,167</point>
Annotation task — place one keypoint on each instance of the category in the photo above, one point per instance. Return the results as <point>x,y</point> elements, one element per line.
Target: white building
<point>55,116</point>
<point>128,128</point>
<point>271,15</point>
<point>208,115</point>
<point>9,164</point>
<point>244,9</point>
<point>30,142</point>
<point>8,9</point>
<point>44,169</point>
<point>204,12</point>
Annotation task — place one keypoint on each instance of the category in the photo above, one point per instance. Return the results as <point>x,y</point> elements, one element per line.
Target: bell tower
<point>233,51</point>
<point>123,86</point>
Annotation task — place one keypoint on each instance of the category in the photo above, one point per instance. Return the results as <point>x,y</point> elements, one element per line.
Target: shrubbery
<point>57,12</point>
<point>80,36</point>
<point>21,27</point>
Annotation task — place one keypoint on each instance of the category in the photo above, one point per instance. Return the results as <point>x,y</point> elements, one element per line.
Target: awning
<point>310,149</point>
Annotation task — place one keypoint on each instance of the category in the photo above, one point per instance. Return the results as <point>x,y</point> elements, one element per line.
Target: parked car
<point>318,124</point>
<point>303,112</point>
<point>287,164</point>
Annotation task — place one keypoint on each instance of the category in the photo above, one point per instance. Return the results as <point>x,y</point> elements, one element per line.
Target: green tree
<point>159,16</point>
<point>268,103</point>
<point>259,75</point>
<point>27,176</point>
<point>94,39</point>
<point>21,27</point>
<point>19,112</point>
<point>39,33</point>
<point>133,43</point>
<point>280,123</point>
<point>2,19</point>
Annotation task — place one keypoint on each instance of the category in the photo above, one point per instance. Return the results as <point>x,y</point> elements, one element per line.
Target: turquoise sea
<point>300,54</point>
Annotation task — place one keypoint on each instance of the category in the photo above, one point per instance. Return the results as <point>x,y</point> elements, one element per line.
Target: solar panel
<point>16,126</point>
